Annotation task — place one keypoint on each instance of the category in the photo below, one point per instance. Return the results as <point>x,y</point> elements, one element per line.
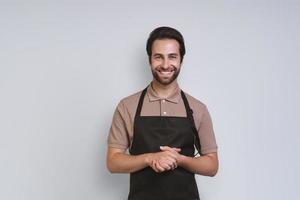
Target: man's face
<point>165,60</point>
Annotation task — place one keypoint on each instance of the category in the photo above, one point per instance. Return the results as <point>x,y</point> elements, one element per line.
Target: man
<point>160,126</point>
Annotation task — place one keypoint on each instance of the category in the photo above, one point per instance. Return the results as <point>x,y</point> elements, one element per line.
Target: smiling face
<point>165,61</point>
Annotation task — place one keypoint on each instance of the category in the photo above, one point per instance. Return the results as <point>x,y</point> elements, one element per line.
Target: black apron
<point>151,132</point>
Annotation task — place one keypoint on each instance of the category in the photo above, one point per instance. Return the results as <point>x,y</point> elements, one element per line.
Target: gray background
<point>64,66</point>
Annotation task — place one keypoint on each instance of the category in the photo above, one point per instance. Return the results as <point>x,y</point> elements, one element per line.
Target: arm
<point>206,165</point>
<point>119,162</point>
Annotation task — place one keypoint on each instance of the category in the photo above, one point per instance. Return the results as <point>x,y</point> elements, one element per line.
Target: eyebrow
<point>170,54</point>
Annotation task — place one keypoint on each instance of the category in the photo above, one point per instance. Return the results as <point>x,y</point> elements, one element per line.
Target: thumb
<point>163,147</point>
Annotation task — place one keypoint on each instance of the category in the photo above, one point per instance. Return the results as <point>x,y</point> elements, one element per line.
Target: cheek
<point>155,63</point>
<point>176,63</point>
<point>153,66</point>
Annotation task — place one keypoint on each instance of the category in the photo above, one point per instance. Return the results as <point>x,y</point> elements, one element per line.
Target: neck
<point>164,91</point>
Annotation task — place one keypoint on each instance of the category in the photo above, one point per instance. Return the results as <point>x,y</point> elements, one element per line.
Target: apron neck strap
<point>189,111</point>
<point>190,117</point>
<point>140,105</point>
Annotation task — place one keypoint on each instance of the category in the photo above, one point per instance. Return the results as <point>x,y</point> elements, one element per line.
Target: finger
<point>176,149</point>
<point>159,167</point>
<point>165,148</point>
<point>172,154</point>
<point>165,165</point>
<point>173,165</point>
<point>168,158</point>
<point>172,149</point>
<point>153,166</point>
<point>171,161</point>
<point>168,164</point>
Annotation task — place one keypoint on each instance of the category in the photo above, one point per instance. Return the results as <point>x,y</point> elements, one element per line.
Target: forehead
<point>165,46</point>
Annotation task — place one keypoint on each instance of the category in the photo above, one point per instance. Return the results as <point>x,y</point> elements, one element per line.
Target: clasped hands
<point>165,160</point>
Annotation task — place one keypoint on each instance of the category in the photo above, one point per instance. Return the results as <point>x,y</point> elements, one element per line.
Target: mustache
<point>169,69</point>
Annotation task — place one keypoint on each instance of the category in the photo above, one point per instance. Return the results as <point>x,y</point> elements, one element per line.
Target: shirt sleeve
<point>118,134</point>
<point>206,134</point>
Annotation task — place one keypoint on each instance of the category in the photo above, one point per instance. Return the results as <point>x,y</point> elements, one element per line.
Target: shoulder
<point>200,111</point>
<point>195,104</point>
<point>131,99</point>
<point>129,103</point>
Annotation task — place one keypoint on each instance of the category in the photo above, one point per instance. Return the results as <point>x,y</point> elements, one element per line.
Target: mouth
<point>165,76</point>
<point>166,72</point>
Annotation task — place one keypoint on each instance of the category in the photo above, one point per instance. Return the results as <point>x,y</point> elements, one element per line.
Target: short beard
<point>168,81</point>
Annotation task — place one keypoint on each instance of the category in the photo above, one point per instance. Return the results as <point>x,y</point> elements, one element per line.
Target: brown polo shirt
<point>121,131</point>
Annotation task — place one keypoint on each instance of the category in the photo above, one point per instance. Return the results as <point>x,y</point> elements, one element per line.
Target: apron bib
<point>151,132</point>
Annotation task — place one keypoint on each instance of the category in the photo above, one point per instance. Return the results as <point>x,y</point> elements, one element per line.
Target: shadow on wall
<point>142,67</point>
<point>117,185</point>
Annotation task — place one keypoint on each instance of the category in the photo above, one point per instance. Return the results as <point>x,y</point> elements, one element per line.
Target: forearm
<point>124,163</point>
<point>206,165</point>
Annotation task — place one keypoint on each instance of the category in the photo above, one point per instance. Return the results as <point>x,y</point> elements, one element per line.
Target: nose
<point>165,64</point>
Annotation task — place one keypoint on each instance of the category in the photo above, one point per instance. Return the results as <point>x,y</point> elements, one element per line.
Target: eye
<point>173,57</point>
<point>157,57</point>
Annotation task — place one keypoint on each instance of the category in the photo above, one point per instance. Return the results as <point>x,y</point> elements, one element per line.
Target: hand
<point>176,152</point>
<point>164,160</point>
<point>157,167</point>
<point>163,164</point>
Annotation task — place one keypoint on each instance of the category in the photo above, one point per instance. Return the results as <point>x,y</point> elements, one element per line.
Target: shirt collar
<point>174,96</point>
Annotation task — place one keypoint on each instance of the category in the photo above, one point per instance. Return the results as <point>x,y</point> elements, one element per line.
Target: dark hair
<point>165,33</point>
